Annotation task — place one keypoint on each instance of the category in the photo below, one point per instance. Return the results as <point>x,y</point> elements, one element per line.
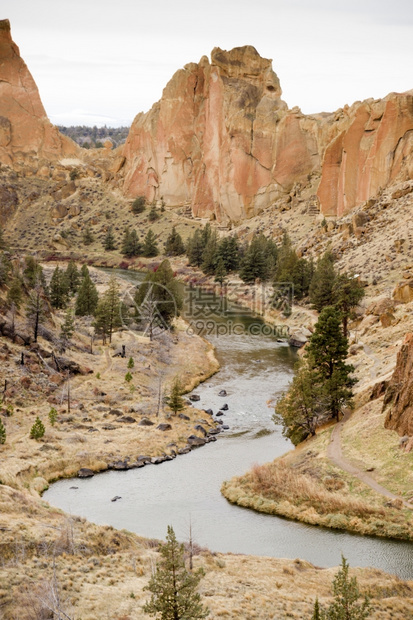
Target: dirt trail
<point>335,454</point>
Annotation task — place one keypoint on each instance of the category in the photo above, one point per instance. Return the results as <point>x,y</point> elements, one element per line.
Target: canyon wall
<point>398,399</point>
<point>27,138</point>
<point>222,141</point>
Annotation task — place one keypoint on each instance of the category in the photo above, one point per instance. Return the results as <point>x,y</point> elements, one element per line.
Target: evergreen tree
<point>131,363</point>
<point>33,273</point>
<point>347,294</point>
<point>175,400</point>
<point>159,299</point>
<point>5,269</point>
<point>346,605</point>
<point>150,247</point>
<point>88,236</point>
<point>173,588</point>
<point>130,243</point>
<point>210,254</point>
<point>322,283</point>
<point>2,433</point>
<point>128,377</point>
<point>37,430</point>
<point>84,271</point>
<point>316,612</point>
<point>3,244</point>
<point>15,292</point>
<point>220,271</point>
<point>255,263</point>
<point>108,314</point>
<point>52,416</point>
<point>195,249</point>
<point>228,250</point>
<point>326,353</point>
<point>153,214</point>
<point>109,243</point>
<point>73,277</point>
<point>58,289</point>
<point>87,297</point>
<point>36,309</point>
<point>139,205</point>
<point>174,245</point>
<point>68,327</point>
<point>301,407</point>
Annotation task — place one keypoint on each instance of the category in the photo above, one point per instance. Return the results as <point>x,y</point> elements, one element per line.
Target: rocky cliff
<point>222,141</point>
<point>399,394</point>
<point>27,138</point>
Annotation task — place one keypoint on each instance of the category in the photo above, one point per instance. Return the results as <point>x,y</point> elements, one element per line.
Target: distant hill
<point>94,137</point>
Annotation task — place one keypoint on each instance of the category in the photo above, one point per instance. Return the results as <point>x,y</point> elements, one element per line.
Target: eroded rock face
<point>399,394</point>
<point>222,142</point>
<point>373,147</point>
<point>26,134</point>
<point>220,139</point>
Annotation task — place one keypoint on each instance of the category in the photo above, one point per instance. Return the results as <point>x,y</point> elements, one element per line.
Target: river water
<point>254,370</point>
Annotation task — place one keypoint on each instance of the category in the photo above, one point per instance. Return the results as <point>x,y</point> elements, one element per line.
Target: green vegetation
<point>174,245</point>
<point>173,588</point>
<point>139,205</point>
<point>93,137</point>
<point>73,277</point>
<point>130,243</point>
<point>2,433</point>
<point>58,289</point>
<point>53,416</point>
<point>108,311</point>
<point>87,297</point>
<point>159,299</point>
<point>109,242</point>
<point>153,214</point>
<point>88,236</point>
<point>175,400</point>
<point>37,430</point>
<point>131,363</point>
<point>346,605</point>
<point>150,247</point>
<point>128,377</point>
<point>68,327</point>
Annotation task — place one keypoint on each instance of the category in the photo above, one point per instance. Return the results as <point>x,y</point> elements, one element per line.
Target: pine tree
<point>173,588</point>
<point>3,244</point>
<point>58,289</point>
<point>326,353</point>
<point>228,250</point>
<point>15,292</point>
<point>139,205</point>
<point>301,407</point>
<point>87,297</point>
<point>84,271</point>
<point>316,612</point>
<point>128,377</point>
<point>37,430</point>
<point>73,277</point>
<point>53,416</point>
<point>322,283</point>
<point>153,214</point>
<point>175,400</point>
<point>109,243</point>
<point>2,433</point>
<point>33,273</point>
<point>347,294</point>
<point>131,363</point>
<point>195,249</point>
<point>5,269</point>
<point>68,327</point>
<point>108,312</point>
<point>130,243</point>
<point>174,245</point>
<point>88,236</point>
<point>36,309</point>
<point>346,605</point>
<point>210,254</point>
<point>159,298</point>
<point>150,247</point>
<point>220,271</point>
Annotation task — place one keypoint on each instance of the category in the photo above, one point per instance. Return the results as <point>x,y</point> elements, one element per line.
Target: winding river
<point>186,491</point>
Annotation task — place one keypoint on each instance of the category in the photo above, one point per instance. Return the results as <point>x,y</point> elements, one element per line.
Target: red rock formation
<point>26,134</point>
<point>373,147</point>
<point>220,139</point>
<point>399,394</point>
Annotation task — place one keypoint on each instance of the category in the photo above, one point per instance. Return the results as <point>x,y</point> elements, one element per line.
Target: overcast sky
<point>103,61</point>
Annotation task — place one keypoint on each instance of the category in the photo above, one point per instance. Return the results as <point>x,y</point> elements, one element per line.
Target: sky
<point>101,62</point>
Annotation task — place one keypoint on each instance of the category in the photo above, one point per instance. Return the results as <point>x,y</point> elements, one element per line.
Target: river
<point>254,370</point>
